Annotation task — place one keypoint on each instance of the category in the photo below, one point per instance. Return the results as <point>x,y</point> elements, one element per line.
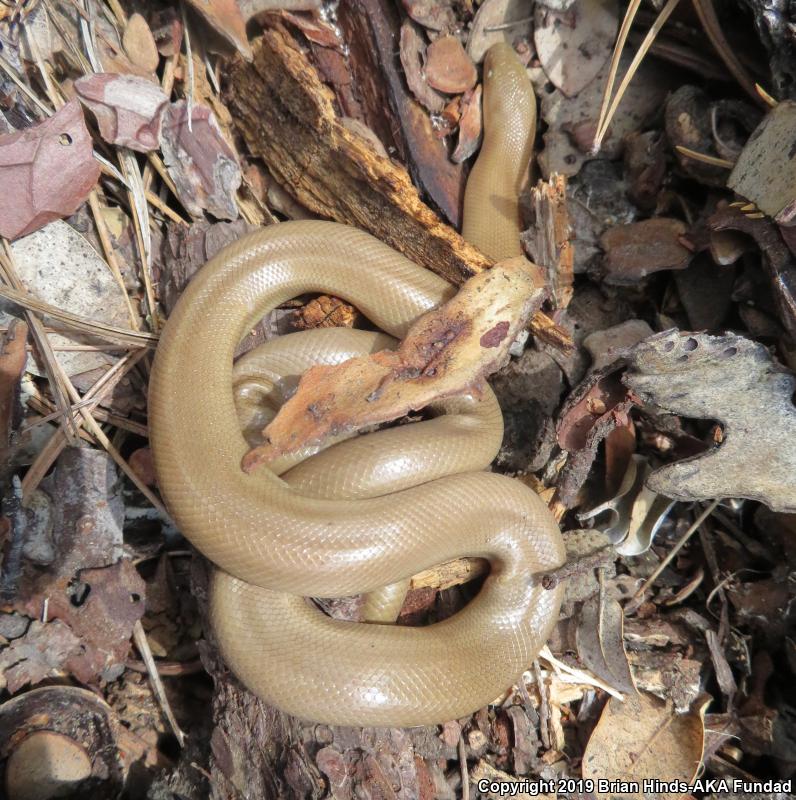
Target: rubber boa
<point>366,514</point>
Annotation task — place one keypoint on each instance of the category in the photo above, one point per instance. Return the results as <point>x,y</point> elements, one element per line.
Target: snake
<point>365,514</point>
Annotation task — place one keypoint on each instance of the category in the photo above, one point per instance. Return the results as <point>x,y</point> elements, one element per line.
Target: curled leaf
<point>128,108</point>
<point>46,171</point>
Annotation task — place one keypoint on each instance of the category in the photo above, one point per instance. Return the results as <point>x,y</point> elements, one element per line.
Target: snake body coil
<point>363,515</point>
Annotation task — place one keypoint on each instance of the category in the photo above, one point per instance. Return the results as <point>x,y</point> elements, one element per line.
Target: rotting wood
<point>288,118</point>
<point>548,240</point>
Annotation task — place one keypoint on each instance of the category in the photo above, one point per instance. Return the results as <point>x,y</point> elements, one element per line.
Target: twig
<point>544,705</point>
<point>139,636</point>
<point>602,557</point>
<point>463,768</point>
<point>110,256</point>
<point>714,161</point>
<point>635,599</point>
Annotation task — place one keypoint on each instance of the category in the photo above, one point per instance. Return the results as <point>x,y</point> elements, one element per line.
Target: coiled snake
<point>368,513</point>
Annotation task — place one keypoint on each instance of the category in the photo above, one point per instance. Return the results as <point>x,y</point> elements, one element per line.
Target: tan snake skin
<point>365,514</point>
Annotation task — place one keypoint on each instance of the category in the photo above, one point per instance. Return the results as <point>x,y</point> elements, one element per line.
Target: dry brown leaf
<point>225,17</point>
<point>498,21</point>
<point>644,739</point>
<point>436,15</point>
<point>600,642</point>
<point>574,45</point>
<point>201,163</point>
<point>46,172</point>
<point>733,380</point>
<point>413,60</point>
<point>444,353</point>
<point>470,126</point>
<point>448,67</point>
<point>139,43</point>
<point>128,108</point>
<point>635,250</point>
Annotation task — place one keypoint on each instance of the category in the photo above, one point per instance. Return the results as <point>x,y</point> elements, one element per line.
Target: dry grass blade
<point>23,87</point>
<point>110,256</point>
<point>101,330</point>
<point>768,99</point>
<point>714,161</point>
<point>666,12</point>
<point>139,636</point>
<point>95,395</point>
<point>52,368</point>
<point>621,39</point>
<point>710,24</point>
<point>140,210</point>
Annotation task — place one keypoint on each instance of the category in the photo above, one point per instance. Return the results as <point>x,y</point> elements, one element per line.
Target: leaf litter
<point>653,405</point>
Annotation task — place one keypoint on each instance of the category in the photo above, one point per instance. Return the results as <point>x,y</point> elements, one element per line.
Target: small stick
<point>714,161</point>
<point>463,768</point>
<point>544,705</point>
<point>604,556</point>
<point>139,636</point>
<point>110,256</point>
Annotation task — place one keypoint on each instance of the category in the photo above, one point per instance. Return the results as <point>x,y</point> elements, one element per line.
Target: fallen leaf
<point>60,266</point>
<point>47,172</point>
<point>644,739</point>
<point>638,249</point>
<point>445,352</point>
<point>139,43</point>
<point>128,108</point>
<point>600,642</point>
<point>572,122</point>
<point>225,17</point>
<point>574,45</point>
<point>448,67</point>
<point>470,126</point>
<point>733,380</point>
<point>413,60</point>
<point>436,15</point>
<point>201,163</point>
<point>498,21</point>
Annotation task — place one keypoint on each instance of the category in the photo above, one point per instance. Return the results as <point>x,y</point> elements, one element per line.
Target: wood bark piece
<point>447,351</point>
<point>548,240</point>
<point>287,117</point>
